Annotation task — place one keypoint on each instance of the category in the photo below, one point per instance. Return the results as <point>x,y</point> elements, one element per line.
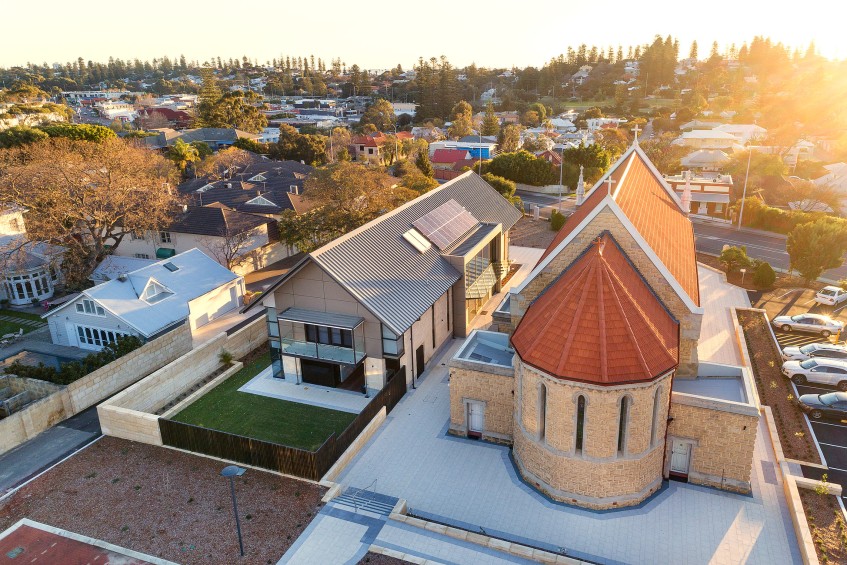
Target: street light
<point>231,472</point>
<point>743,272</point>
<point>747,176</point>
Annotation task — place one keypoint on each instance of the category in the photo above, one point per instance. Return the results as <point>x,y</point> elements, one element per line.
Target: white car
<point>831,295</point>
<point>815,350</point>
<point>820,371</point>
<point>813,323</point>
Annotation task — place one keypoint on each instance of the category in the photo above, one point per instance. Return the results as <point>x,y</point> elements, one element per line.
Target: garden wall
<point>132,413</point>
<point>93,388</point>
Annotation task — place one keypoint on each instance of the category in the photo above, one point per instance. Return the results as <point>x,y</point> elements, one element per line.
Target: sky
<point>381,33</point>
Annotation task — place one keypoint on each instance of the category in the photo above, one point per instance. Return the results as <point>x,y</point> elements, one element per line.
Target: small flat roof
<point>479,234</point>
<point>720,388</point>
<point>486,347</point>
<point>329,319</point>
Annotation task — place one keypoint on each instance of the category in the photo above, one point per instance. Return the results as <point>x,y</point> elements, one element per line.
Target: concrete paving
<point>718,343</point>
<point>264,384</point>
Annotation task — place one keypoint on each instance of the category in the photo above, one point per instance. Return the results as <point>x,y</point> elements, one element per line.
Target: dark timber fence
<point>283,458</point>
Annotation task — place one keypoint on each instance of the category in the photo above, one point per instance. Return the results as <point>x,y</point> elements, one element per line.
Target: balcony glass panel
<point>311,341</point>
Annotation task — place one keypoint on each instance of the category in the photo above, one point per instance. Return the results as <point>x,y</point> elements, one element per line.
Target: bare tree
<point>224,163</point>
<point>231,249</point>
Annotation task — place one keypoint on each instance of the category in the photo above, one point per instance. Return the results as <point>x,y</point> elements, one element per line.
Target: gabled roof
<point>388,276</point>
<point>113,266</point>
<point>449,155</point>
<point>656,214</point>
<point>600,323</point>
<point>196,275</point>
<point>217,220</point>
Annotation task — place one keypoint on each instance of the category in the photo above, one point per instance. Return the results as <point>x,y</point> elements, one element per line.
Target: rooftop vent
<point>122,277</point>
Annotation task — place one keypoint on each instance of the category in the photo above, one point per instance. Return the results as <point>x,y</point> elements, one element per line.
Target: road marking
<point>819,388</point>
<point>829,424</point>
<point>833,445</point>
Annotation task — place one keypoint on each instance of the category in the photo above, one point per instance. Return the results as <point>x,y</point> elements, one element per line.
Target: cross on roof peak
<point>635,130</point>
<point>609,182</point>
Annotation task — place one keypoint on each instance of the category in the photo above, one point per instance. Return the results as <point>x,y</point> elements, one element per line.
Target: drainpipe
<point>412,358</point>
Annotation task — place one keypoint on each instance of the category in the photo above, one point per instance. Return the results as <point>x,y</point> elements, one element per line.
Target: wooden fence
<point>283,458</point>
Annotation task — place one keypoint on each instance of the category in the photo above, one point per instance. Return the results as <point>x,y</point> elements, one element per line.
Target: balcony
<point>323,336</point>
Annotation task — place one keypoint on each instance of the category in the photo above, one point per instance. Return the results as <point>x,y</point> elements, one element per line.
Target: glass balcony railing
<point>321,351</point>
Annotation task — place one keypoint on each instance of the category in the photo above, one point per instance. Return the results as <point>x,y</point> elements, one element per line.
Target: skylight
<point>417,240</point>
<point>170,266</point>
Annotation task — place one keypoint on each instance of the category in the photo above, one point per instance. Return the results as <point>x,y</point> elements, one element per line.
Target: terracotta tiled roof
<point>599,323</point>
<point>654,212</point>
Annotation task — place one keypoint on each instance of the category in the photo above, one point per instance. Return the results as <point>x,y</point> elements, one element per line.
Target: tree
<point>664,154</point>
<point>763,275</point>
<point>412,178</point>
<point>814,247</point>
<point>490,123</point>
<point>87,196</point>
<point>537,143</point>
<point>510,138</point>
<point>79,132</point>
<point>339,140</point>
<point>462,118</point>
<point>233,110</point>
<point>523,167</point>
<point>296,146</point>
<point>734,258</point>
<point>423,163</point>
<point>231,248</point>
<point>380,114</point>
<point>557,220</point>
<point>182,154</point>
<point>531,119</point>
<point>209,94</point>
<point>503,186</point>
<point>20,135</point>
<point>224,163</point>
<point>343,197</point>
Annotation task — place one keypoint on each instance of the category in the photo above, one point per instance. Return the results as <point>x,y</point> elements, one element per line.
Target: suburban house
<point>552,157</point>
<point>148,302</point>
<point>113,266</point>
<point>835,177</point>
<point>239,241</point>
<point>474,144</point>
<point>746,133</point>
<point>216,138</point>
<point>386,296</point>
<point>709,139</point>
<point>30,269</point>
<point>704,195</point>
<point>149,118</point>
<point>447,158</point>
<point>367,148</point>
<point>705,160</point>
<point>594,377</point>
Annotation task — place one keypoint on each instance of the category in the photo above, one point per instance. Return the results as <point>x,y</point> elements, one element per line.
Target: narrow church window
<point>622,424</point>
<point>542,411</point>
<point>580,422</point>
<point>655,429</point>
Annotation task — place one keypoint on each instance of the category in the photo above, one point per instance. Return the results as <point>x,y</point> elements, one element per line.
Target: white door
<point>680,457</point>
<point>476,417</point>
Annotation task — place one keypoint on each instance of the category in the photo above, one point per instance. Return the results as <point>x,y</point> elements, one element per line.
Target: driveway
<point>474,485</point>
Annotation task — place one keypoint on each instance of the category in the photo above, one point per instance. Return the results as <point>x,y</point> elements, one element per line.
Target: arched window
<point>542,411</point>
<point>622,422</point>
<point>654,430</point>
<point>580,423</point>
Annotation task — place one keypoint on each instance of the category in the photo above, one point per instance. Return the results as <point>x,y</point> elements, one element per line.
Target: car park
<point>828,405</point>
<point>815,350</point>
<point>821,371</point>
<point>831,295</point>
<point>812,323</point>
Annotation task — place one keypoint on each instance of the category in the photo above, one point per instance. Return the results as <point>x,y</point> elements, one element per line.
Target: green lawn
<point>269,419</point>
<point>7,327</point>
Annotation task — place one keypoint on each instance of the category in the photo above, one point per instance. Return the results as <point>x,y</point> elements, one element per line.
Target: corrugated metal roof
<point>389,276</point>
<point>328,319</point>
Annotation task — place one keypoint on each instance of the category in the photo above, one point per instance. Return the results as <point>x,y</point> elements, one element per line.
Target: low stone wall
<point>351,452</point>
<point>64,402</point>
<point>495,391</point>
<point>723,434</point>
<point>132,413</point>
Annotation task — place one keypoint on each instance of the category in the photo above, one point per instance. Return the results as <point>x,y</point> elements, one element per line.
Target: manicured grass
<point>7,327</point>
<point>269,419</point>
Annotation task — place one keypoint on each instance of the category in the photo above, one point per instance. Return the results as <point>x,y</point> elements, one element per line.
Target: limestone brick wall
<point>33,420</point>
<point>550,459</point>
<point>121,373</point>
<point>723,440</point>
<point>496,391</point>
<point>607,221</point>
<point>17,385</point>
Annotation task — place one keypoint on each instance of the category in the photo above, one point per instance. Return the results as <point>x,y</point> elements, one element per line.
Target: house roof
<point>217,220</point>
<point>385,273</point>
<point>655,212</point>
<point>114,265</point>
<point>489,140</point>
<point>705,158</point>
<point>196,275</point>
<point>449,155</point>
<point>599,323</point>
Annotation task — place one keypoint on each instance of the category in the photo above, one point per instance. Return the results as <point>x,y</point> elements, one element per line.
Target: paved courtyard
<point>265,384</point>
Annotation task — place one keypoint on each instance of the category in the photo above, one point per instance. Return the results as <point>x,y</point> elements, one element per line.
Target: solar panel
<point>445,224</point>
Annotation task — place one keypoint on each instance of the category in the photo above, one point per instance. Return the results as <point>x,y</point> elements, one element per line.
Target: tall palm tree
<point>182,153</point>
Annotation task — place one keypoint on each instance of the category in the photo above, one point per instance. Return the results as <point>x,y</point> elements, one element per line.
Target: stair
<point>365,500</point>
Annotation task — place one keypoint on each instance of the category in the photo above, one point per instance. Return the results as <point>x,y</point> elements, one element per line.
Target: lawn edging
<point>351,452</point>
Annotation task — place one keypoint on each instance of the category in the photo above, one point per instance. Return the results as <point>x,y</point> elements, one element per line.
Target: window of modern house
<point>391,343</point>
<point>165,236</point>
<point>329,336</point>
<point>580,423</point>
<point>622,423</point>
<point>90,307</point>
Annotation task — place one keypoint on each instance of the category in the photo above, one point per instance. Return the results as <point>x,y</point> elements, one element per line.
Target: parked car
<point>825,350</point>
<point>829,405</point>
<point>821,371</point>
<point>813,323</point>
<point>831,295</point>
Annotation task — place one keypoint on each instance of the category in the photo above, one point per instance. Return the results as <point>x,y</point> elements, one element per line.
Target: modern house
<point>709,139</point>
<point>594,378</point>
<point>704,195</point>
<point>216,138</point>
<point>30,270</point>
<point>239,241</point>
<point>387,295</point>
<point>477,146</point>
<point>154,117</point>
<point>148,302</point>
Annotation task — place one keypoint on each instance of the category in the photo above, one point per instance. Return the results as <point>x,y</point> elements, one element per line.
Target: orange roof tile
<point>654,213</point>
<point>599,323</point>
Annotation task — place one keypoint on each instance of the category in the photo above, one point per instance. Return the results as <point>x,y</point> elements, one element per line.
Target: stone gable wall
<point>496,391</point>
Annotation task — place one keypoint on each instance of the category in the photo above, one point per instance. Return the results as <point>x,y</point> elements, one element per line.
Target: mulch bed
<point>379,559</point>
<point>167,503</point>
<point>783,280</point>
<point>826,522</point>
<point>775,390</point>
<point>531,233</point>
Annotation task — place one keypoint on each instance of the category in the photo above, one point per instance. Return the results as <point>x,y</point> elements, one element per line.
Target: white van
<point>831,295</point>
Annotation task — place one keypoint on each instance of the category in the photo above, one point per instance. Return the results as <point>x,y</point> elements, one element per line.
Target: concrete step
<point>370,501</point>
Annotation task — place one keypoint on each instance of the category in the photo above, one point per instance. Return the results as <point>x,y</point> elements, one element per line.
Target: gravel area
<point>775,390</point>
<point>167,503</point>
<point>531,233</point>
<point>379,559</point>
<point>826,522</point>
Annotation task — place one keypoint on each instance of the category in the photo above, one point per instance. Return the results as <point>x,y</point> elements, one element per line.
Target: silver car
<point>812,323</point>
<point>816,350</point>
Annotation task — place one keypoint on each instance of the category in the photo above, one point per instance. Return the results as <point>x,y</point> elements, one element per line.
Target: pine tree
<point>490,123</point>
<point>422,162</point>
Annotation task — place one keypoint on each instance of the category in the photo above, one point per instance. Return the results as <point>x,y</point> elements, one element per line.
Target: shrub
<point>557,220</point>
<point>734,258</point>
<point>764,276</point>
<point>225,357</point>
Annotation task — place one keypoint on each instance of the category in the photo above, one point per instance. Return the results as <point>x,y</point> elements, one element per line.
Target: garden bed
<point>775,390</point>
<point>167,503</point>
<point>826,522</point>
<point>783,280</point>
